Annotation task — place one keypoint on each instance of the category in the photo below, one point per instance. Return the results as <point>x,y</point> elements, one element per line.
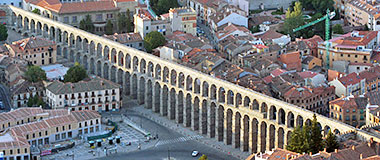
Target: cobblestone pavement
<point>187,132</point>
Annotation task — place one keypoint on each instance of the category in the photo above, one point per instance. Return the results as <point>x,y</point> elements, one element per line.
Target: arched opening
<point>205,89</point>
<point>254,132</point>
<point>281,116</point>
<point>280,138</point>
<point>220,123</point>
<point>263,137</point>
<point>264,109</point>
<point>180,108</point>
<point>141,94</point>
<point>173,77</point>
<point>213,92</point>
<point>272,136</point>
<point>165,75</point>
<point>229,127</point>
<point>290,120</point>
<point>245,133</point>
<point>181,80</point>
<point>157,98</point>
<point>197,86</point>
<point>164,106</point>
<point>222,96</point>
<point>172,104</point>
<point>212,119</point>
<point>196,114</point>
<point>188,110</point>
<point>204,117</point>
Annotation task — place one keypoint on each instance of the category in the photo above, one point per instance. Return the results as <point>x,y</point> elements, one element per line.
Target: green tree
<point>109,28</point>
<point>3,32</point>
<point>163,6</point>
<point>297,141</point>
<point>320,6</point>
<point>293,19</point>
<point>36,11</point>
<point>35,101</point>
<point>153,40</point>
<point>331,142</point>
<point>203,157</point>
<point>255,29</point>
<point>75,73</point>
<point>337,29</point>
<point>87,24</point>
<point>35,74</point>
<point>129,22</point>
<point>121,22</point>
<point>316,136</point>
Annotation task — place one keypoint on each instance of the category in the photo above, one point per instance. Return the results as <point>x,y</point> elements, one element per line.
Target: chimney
<point>310,153</point>
<point>325,150</point>
<point>336,150</point>
<point>361,156</point>
<point>353,147</point>
<point>287,156</point>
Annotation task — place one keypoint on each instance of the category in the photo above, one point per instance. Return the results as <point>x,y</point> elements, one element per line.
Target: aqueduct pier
<point>219,109</point>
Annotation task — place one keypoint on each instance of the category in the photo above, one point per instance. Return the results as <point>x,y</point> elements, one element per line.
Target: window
<point>147,27</point>
<point>99,17</point>
<point>66,19</point>
<point>341,55</point>
<point>109,16</point>
<point>348,110</point>
<point>74,19</point>
<point>347,118</point>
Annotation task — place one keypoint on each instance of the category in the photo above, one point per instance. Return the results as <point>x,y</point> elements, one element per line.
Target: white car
<point>194,153</point>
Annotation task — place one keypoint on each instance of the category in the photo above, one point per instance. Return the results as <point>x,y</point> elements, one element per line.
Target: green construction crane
<point>329,15</point>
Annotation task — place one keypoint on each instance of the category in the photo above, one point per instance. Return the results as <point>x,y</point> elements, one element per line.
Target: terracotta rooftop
<point>350,79</point>
<point>355,38</point>
<point>292,60</point>
<point>350,102</point>
<point>30,43</point>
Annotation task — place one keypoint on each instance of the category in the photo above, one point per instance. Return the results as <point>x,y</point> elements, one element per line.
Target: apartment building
<point>354,47</point>
<point>94,93</point>
<point>145,22</point>
<point>206,8</point>
<point>349,110</point>
<point>351,84</point>
<point>20,93</point>
<point>133,40</point>
<point>183,19</point>
<point>26,128</point>
<point>72,12</point>
<point>36,50</point>
<point>363,12</point>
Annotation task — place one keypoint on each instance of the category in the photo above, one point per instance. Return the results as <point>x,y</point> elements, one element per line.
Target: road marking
<point>177,140</point>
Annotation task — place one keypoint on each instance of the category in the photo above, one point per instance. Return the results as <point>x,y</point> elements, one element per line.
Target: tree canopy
<point>203,157</point>
<point>320,6</point>
<point>36,11</point>
<point>294,19</point>
<point>87,24</point>
<point>163,6</point>
<point>75,73</point>
<point>35,101</point>
<point>35,74</point>
<point>109,28</point>
<point>337,29</point>
<point>153,40</point>
<point>125,23</point>
<point>3,32</point>
<point>331,142</point>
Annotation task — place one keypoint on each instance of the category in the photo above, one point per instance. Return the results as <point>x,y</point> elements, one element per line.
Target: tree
<point>87,24</point>
<point>75,73</point>
<point>35,101</point>
<point>337,29</point>
<point>320,6</point>
<point>153,40</point>
<point>129,22</point>
<point>163,6</point>
<point>316,136</point>
<point>121,22</point>
<point>293,18</point>
<point>109,28</point>
<point>331,142</point>
<point>203,157</point>
<point>35,74</point>
<point>3,32</point>
<point>297,141</point>
<point>255,29</point>
<point>36,11</point>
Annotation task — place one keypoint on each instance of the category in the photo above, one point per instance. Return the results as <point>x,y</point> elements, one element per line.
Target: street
<point>179,147</point>
<point>4,93</point>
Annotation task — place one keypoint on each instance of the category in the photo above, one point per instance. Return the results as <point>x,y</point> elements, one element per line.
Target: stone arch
<point>141,93</point>
<point>172,105</point>
<point>205,88</point>
<point>237,129</point>
<point>204,117</point>
<point>26,24</point>
<point>99,68</point>
<point>180,108</point>
<point>230,97</point>
<point>106,53</point>
<point>127,83</point>
<point>149,95</point>
<point>254,133</point>
<point>212,120</point>
<point>273,113</point>
<point>281,116</point>
<point>263,137</point>
<point>120,76</point>
<point>173,77</point>
<point>85,45</point>
<point>158,72</point>
<point>77,57</point>
<point>164,103</point>
<point>195,114</point>
<point>247,101</point>
<point>288,136</point>
<point>143,66</point>
<point>280,135</point>
<point>213,92</point>
<point>78,43</point>
<point>255,105</point>
<point>59,36</point>
<point>189,83</point>
<point>220,123</point>
<point>197,86</point>
<point>71,40</point>
<point>99,50</point>
<point>39,28</point>
<point>299,121</point>
<point>113,56</point>
<point>150,69</point>
<point>45,31</point>
<point>72,56</point>
<point>52,33</point>
<point>32,26</point>
<point>135,63</point>
<point>336,131</point>
<point>157,98</point>
<point>188,110</point>
<point>120,61</point>
<point>134,86</point>
<point>272,136</point>
<point>246,125</point>
<point>290,120</point>
<point>264,109</point>
<point>85,62</point>
<point>92,48</point>
<point>65,38</point>
<point>127,61</point>
<point>59,50</point>
<point>229,127</point>
<point>165,74</point>
<point>308,122</point>
<point>326,130</point>
<point>238,100</point>
<point>181,80</point>
<point>222,95</point>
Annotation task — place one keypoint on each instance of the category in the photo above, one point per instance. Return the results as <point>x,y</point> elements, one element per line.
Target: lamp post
<point>168,153</point>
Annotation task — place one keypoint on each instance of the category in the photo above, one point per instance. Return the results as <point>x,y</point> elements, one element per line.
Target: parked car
<point>194,153</point>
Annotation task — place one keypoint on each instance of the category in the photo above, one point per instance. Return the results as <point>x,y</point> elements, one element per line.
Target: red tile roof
<point>350,79</point>
<point>292,60</point>
<point>75,7</point>
<point>307,74</point>
<point>362,40</point>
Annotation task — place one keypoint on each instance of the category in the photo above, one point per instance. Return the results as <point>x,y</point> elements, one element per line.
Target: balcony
<point>93,95</point>
<point>113,93</point>
<point>106,94</point>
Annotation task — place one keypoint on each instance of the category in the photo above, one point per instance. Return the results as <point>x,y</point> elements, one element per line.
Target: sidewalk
<point>188,132</point>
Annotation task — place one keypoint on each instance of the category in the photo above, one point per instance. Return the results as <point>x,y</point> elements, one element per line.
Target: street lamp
<point>168,153</point>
